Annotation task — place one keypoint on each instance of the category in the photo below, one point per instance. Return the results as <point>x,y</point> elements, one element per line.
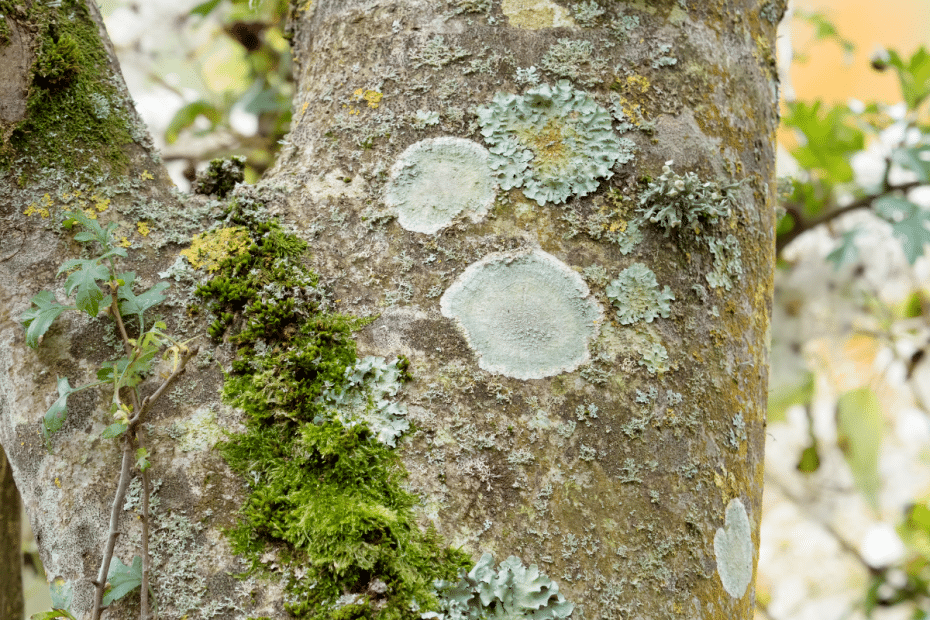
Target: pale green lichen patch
<point>435,180</point>
<point>536,14</point>
<point>197,432</point>
<point>366,398</point>
<point>733,548</point>
<point>672,199</point>
<point>636,295</point>
<point>553,141</point>
<point>727,264</point>
<point>513,591</point>
<point>526,314</point>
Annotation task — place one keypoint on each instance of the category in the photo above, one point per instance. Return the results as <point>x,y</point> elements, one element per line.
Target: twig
<point>802,225</point>
<point>114,522</point>
<point>145,613</point>
<point>153,397</point>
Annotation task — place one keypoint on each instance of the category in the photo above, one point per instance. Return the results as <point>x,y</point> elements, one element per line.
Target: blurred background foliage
<point>846,518</point>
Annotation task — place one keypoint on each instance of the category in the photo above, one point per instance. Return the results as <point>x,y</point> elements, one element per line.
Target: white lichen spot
<point>198,431</point>
<point>435,180</point>
<point>536,14</point>
<point>526,314</point>
<point>733,548</point>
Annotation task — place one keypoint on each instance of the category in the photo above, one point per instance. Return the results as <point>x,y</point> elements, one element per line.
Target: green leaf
<point>37,320</point>
<point>188,114</point>
<point>908,224</point>
<point>114,430</point>
<point>51,615</point>
<point>916,159</point>
<point>99,235</point>
<point>828,139</point>
<point>810,459</point>
<point>54,418</point>
<point>142,459</point>
<point>123,579</point>
<point>846,252</point>
<point>799,392</point>
<point>205,8</point>
<point>859,428</point>
<point>137,304</point>
<point>84,279</point>
<point>913,75</point>
<point>62,592</point>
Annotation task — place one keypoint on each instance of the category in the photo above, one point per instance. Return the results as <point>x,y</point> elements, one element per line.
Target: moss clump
<point>70,78</point>
<point>324,498</point>
<point>220,177</point>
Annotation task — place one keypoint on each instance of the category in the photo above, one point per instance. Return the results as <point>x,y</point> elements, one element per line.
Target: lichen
<point>733,550</point>
<point>536,14</point>
<point>553,141</point>
<point>672,199</point>
<point>587,13</point>
<point>220,177</point>
<point>526,314</point>
<point>209,249</point>
<point>727,264</point>
<point>636,295</point>
<point>435,180</point>
<point>655,358</point>
<point>437,54</point>
<point>574,59</point>
<point>513,591</point>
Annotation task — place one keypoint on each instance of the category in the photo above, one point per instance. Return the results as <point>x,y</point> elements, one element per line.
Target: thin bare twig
<point>101,582</point>
<point>145,613</point>
<point>152,398</point>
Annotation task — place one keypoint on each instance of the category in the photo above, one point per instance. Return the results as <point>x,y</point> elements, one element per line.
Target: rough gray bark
<point>619,448</point>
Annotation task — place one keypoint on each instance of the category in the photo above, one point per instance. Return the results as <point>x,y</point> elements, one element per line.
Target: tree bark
<point>486,179</point>
<point>11,533</point>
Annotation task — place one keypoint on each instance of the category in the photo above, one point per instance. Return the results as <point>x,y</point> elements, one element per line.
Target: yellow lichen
<point>146,176</point>
<point>43,209</point>
<point>143,228</point>
<point>536,14</point>
<point>125,243</point>
<point>373,97</point>
<point>210,248</point>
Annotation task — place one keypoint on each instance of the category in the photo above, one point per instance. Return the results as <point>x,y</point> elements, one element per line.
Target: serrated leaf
<point>915,159</point>
<point>137,304</point>
<point>846,252</point>
<point>123,579</point>
<point>859,429</point>
<point>908,224</point>
<point>114,430</point>
<point>142,459</point>
<point>54,418</point>
<point>37,320</point>
<point>88,295</point>
<point>62,592</point>
<point>92,226</point>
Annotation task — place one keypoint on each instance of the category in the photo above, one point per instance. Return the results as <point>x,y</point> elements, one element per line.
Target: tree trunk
<point>11,547</point>
<point>560,214</point>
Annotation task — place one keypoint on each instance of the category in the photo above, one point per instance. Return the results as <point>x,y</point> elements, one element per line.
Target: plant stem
<point>145,613</point>
<point>124,475</point>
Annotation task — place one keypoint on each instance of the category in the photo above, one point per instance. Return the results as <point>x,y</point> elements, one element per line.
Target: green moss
<point>70,78</point>
<point>324,499</point>
<point>220,177</point>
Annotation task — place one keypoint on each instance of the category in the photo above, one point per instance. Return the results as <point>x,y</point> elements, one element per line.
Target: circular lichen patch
<point>553,141</point>
<point>436,179</point>
<point>526,314</point>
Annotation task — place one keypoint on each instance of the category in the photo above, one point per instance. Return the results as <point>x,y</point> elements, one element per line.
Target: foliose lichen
<point>636,295</point>
<point>733,549</point>
<point>655,358</point>
<point>367,398</point>
<point>553,141</point>
<point>672,199</point>
<point>526,314</point>
<point>727,264</point>
<point>574,59</point>
<point>514,591</point>
<point>435,180</point>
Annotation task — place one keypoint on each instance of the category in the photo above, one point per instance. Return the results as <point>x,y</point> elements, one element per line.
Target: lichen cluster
<point>672,199</point>
<point>513,591</point>
<point>636,295</point>
<point>553,141</point>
